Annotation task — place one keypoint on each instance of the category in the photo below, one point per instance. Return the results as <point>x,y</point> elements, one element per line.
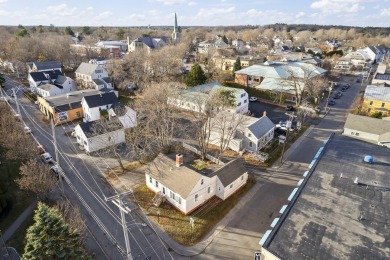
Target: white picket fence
<point>211,158</point>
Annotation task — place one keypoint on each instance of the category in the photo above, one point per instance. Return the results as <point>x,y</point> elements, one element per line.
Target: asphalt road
<point>87,189</point>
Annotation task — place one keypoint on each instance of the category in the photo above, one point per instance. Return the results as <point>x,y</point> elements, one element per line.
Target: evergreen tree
<point>51,238</point>
<point>195,77</point>
<point>225,40</point>
<point>237,65</point>
<point>40,29</point>
<point>68,31</point>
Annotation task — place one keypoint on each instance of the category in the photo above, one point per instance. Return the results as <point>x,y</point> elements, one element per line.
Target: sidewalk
<point>19,221</point>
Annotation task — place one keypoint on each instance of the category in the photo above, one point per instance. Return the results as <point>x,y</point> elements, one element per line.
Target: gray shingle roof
<point>367,124</point>
<point>60,79</point>
<point>230,172</point>
<point>47,65</point>
<point>101,99</point>
<point>261,127</point>
<point>86,68</point>
<point>100,127</point>
<point>41,76</point>
<point>181,180</point>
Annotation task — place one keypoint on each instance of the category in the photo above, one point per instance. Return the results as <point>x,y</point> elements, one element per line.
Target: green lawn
<point>177,225</point>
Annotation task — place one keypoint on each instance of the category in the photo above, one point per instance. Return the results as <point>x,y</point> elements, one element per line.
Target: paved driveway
<point>274,112</point>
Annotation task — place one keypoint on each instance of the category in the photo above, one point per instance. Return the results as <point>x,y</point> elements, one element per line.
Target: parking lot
<point>274,112</point>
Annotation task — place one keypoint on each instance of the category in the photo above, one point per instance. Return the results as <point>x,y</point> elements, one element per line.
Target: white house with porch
<point>175,180</point>
<point>94,105</point>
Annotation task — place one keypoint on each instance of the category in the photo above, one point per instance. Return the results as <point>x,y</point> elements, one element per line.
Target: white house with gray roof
<point>245,133</point>
<point>368,129</point>
<point>61,85</point>
<point>93,76</point>
<point>173,178</point>
<point>199,98</point>
<point>93,105</point>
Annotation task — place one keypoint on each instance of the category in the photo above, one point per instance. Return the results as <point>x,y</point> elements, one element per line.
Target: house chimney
<point>179,159</point>
<point>265,113</point>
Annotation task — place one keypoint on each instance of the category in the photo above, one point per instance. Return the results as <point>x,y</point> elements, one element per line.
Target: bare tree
<point>73,217</point>
<point>36,177</point>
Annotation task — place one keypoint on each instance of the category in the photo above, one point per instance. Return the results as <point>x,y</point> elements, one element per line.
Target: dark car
<point>279,131</point>
<point>343,89</point>
<point>358,80</point>
<point>347,86</point>
<point>336,96</point>
<point>331,102</point>
<point>289,108</point>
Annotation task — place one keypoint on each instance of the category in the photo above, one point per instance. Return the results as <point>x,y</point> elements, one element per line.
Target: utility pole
<point>123,210</point>
<point>17,103</point>
<point>288,126</point>
<point>60,173</point>
<point>327,99</point>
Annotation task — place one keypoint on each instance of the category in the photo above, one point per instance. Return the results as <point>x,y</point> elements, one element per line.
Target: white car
<point>253,99</point>
<point>27,130</point>
<point>47,158</point>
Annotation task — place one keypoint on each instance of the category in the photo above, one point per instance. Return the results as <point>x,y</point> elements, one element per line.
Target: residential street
<point>238,239</point>
<point>88,190</point>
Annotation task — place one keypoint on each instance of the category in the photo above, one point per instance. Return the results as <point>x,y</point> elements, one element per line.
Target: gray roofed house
<point>93,76</point>
<point>101,99</point>
<point>230,172</point>
<point>339,211</point>
<point>368,129</point>
<point>247,133</point>
<point>174,178</point>
<point>39,66</point>
<point>147,43</point>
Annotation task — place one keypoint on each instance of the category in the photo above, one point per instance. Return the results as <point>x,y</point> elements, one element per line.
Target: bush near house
<point>253,92</point>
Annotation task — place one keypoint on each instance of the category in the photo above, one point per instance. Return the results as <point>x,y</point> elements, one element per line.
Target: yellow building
<point>64,108</point>
<point>377,99</point>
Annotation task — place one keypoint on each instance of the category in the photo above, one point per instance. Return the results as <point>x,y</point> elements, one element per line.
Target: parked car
<point>47,158</point>
<point>289,108</point>
<point>358,80</point>
<point>253,99</point>
<point>27,130</point>
<point>343,89</point>
<point>347,86</point>
<point>55,169</point>
<point>337,95</point>
<point>331,102</point>
<point>279,131</point>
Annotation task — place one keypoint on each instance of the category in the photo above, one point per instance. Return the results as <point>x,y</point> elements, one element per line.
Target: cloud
<point>61,10</point>
<point>300,14</point>
<point>172,2</point>
<point>105,14</point>
<point>192,3</point>
<point>3,1</point>
<point>384,12</point>
<point>89,8</point>
<point>210,12</point>
<point>338,6</point>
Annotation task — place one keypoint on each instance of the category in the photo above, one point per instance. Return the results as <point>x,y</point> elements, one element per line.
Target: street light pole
<point>327,99</point>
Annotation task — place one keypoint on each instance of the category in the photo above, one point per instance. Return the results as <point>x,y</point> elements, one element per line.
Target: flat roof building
<point>341,209</point>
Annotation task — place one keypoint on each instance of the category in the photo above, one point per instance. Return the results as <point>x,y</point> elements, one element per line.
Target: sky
<point>194,12</point>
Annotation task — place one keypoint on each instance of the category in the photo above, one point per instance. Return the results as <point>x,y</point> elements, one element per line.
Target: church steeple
<point>176,30</point>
